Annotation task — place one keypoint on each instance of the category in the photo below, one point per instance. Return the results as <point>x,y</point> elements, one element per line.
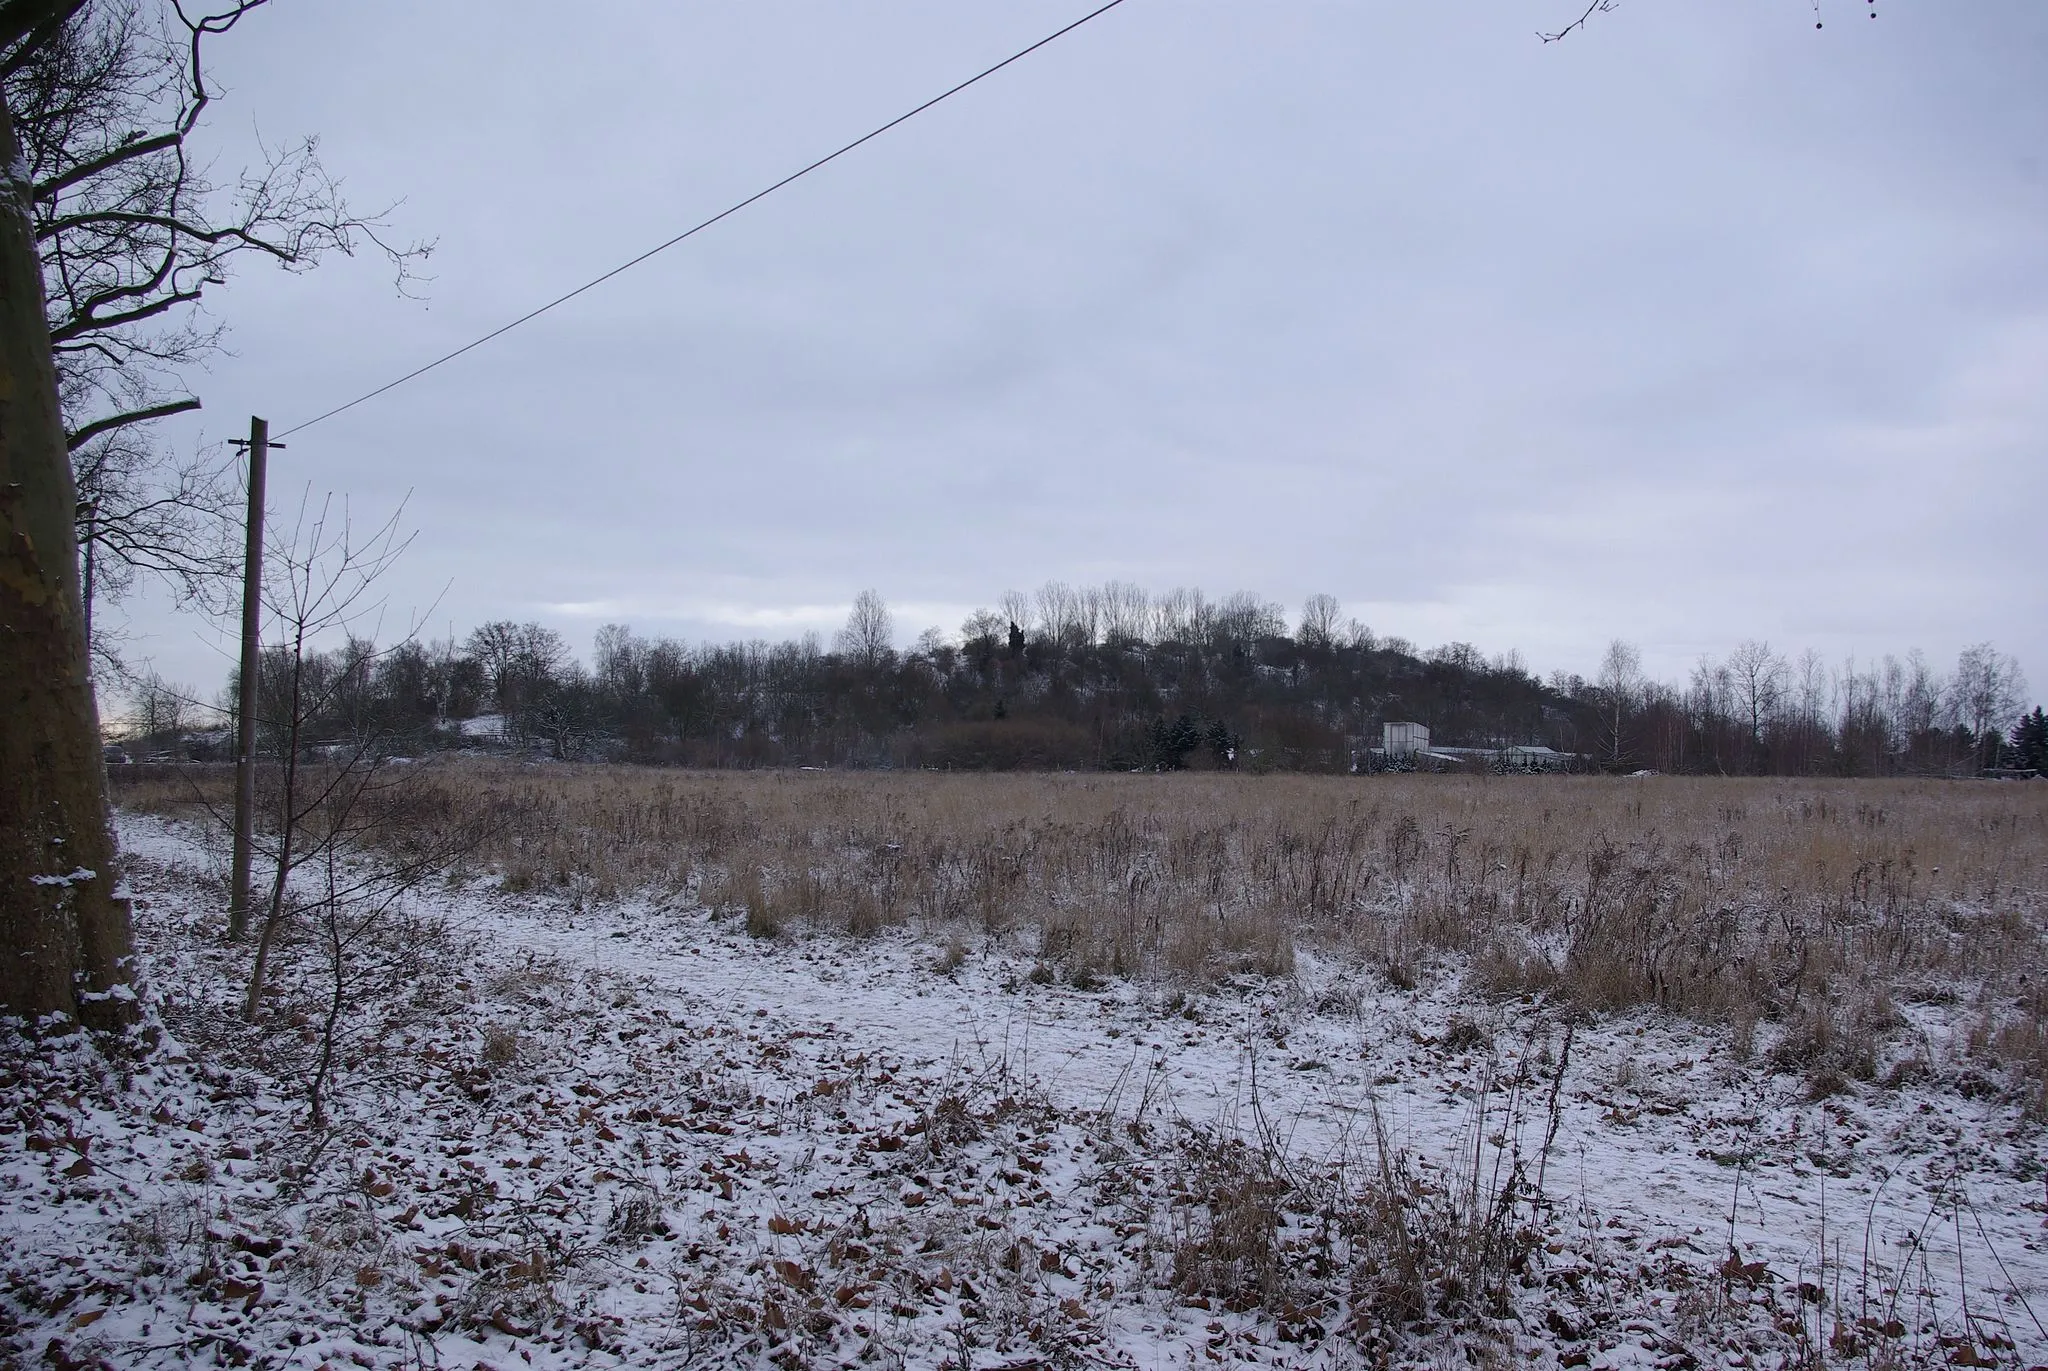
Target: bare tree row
<point>1760,710</point>
<point>1107,678</point>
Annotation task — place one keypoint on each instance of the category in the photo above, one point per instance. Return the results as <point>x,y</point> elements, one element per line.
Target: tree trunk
<point>64,938</point>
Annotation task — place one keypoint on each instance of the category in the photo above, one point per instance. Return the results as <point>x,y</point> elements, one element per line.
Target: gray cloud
<point>1700,326</point>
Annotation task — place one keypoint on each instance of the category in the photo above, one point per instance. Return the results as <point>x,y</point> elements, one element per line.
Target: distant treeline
<point>1112,678</point>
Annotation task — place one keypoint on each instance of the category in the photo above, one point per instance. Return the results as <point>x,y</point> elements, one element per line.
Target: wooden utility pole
<point>252,650</point>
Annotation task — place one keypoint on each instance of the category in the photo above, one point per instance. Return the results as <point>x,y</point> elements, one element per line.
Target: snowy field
<point>574,1132</point>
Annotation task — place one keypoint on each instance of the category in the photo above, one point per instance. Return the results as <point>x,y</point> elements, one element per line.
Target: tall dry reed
<point>1814,902</point>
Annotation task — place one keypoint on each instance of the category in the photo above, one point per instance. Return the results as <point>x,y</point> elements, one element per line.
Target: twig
<point>1554,1112</point>
<point>1597,7</point>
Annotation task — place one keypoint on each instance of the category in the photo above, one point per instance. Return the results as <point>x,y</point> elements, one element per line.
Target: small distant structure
<point>1403,740</point>
<point>1406,746</point>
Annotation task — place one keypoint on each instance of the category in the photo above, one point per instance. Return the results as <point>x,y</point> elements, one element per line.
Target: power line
<point>699,228</point>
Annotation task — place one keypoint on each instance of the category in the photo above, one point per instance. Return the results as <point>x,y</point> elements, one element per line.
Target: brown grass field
<point>1827,932</point>
<point>1810,902</point>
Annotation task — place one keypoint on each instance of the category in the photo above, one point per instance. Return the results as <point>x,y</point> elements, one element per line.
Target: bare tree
<point>870,631</point>
<point>617,659</point>
<point>1621,688</point>
<point>1758,676</point>
<point>1243,617</point>
<point>356,907</point>
<point>1987,691</point>
<point>1812,689</point>
<point>1861,732</point>
<point>1181,615</point>
<point>322,582</point>
<point>143,514</point>
<point>159,708</point>
<point>131,231</point>
<point>495,647</point>
<point>564,713</point>
<point>1319,620</point>
<point>519,661</point>
<point>347,831</point>
<point>1126,613</point>
<point>983,626</point>
<point>1917,710</point>
<point>109,237</point>
<point>1016,608</point>
<point>1707,700</point>
<point>130,227</point>
<point>1065,616</point>
<point>1088,608</point>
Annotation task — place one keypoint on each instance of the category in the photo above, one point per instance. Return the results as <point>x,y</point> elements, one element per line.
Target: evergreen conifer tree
<point>2030,741</point>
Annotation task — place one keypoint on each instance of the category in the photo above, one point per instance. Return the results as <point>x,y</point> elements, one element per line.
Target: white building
<point>1404,740</point>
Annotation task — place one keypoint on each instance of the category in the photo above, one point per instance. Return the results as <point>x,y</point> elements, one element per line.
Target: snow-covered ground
<point>627,1134</point>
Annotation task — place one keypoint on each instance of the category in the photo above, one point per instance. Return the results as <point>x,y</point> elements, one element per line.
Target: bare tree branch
<point>110,97</point>
<point>1596,7</point>
<point>91,323</point>
<point>26,25</point>
<point>130,149</point>
<point>140,416</point>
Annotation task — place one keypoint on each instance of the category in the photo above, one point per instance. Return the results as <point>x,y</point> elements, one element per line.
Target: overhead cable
<point>694,229</point>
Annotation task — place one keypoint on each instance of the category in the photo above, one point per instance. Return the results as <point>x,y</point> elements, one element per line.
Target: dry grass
<point>1811,903</point>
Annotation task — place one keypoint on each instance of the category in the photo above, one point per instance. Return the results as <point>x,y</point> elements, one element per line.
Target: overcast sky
<point>1702,325</point>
